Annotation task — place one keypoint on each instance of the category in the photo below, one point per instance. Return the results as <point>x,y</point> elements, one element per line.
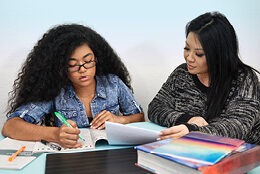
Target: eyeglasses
<point>87,65</point>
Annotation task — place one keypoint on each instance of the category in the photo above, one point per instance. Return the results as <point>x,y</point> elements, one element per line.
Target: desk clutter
<point>114,134</point>
<point>193,153</point>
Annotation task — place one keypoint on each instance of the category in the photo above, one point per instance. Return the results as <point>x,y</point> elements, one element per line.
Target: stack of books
<point>198,153</point>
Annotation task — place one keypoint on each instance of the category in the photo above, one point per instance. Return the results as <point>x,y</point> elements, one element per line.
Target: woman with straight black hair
<point>214,91</point>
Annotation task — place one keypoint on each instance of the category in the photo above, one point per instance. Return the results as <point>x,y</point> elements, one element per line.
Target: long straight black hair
<point>219,42</point>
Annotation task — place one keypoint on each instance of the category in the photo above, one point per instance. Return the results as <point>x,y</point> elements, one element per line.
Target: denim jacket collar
<point>70,93</point>
<point>100,89</point>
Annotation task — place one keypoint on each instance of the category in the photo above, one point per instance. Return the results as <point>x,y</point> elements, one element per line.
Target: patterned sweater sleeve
<point>162,109</point>
<point>241,113</point>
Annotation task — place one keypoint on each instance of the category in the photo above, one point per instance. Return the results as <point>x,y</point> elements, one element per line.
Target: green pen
<point>63,120</point>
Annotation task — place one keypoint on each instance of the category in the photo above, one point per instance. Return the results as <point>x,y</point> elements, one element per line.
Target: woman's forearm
<point>19,129</point>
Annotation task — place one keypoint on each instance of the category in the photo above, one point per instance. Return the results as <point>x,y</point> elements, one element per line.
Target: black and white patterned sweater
<point>183,96</point>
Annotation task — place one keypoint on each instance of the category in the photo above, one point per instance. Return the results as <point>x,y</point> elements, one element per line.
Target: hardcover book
<point>149,158</point>
<point>199,147</point>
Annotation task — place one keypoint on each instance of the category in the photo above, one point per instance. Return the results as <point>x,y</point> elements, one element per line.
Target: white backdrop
<point>148,35</point>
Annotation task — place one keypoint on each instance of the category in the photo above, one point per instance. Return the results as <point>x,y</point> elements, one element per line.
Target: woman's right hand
<point>68,137</point>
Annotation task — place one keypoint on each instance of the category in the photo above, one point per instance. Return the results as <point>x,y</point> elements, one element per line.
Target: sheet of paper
<point>18,163</point>
<point>11,144</point>
<point>120,134</point>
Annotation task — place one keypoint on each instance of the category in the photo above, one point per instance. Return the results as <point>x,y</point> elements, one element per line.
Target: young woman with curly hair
<point>74,71</point>
<point>214,91</point>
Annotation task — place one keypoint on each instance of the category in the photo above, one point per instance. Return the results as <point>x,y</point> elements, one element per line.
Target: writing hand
<point>68,137</point>
<point>199,121</point>
<point>174,132</point>
<point>99,121</point>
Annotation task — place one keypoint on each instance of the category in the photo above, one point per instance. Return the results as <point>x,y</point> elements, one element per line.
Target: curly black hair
<point>44,73</point>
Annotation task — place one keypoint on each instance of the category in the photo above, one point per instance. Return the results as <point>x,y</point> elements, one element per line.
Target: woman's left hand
<point>199,121</point>
<point>174,132</point>
<point>99,121</point>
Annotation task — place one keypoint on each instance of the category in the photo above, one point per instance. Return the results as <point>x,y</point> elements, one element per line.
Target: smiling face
<point>195,56</point>
<point>82,76</point>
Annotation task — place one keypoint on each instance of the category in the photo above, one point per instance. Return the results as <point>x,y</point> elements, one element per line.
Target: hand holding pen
<point>68,133</point>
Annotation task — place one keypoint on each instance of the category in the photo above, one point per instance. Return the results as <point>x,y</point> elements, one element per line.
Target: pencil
<point>11,158</point>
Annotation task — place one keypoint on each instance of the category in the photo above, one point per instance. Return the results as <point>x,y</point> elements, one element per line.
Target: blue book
<point>199,147</point>
<point>150,157</point>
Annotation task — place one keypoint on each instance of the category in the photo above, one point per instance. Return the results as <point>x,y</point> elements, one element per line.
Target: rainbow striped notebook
<point>199,147</point>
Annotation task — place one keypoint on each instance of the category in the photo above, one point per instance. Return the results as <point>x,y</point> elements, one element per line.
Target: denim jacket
<point>111,95</point>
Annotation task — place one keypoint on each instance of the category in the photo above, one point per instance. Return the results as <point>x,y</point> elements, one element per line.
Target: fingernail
<point>158,139</point>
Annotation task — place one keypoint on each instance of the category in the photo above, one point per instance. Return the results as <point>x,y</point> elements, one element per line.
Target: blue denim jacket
<point>111,95</point>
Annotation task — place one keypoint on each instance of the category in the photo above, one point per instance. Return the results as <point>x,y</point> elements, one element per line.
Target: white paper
<point>90,136</point>
<point>18,163</point>
<point>12,144</point>
<point>120,134</point>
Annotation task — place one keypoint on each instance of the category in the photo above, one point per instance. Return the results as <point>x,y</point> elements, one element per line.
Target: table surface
<point>38,165</point>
